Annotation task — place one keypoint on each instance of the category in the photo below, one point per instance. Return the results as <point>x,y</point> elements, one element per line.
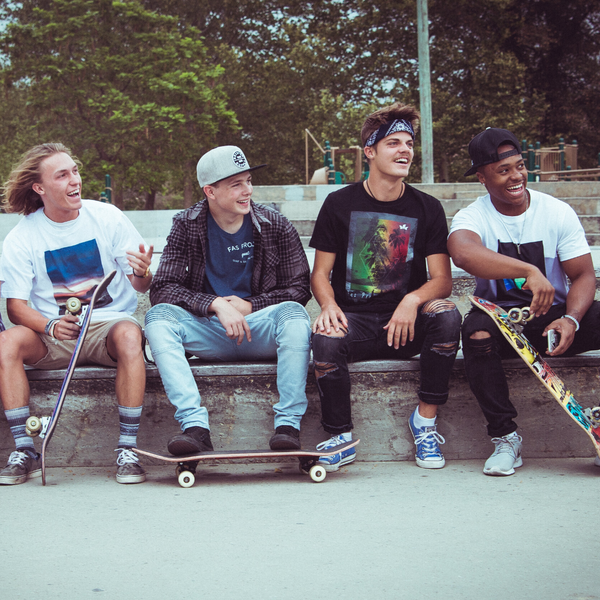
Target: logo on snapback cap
<point>239,160</point>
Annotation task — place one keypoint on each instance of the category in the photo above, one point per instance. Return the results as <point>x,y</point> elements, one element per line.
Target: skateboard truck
<point>519,317</point>
<point>76,308</point>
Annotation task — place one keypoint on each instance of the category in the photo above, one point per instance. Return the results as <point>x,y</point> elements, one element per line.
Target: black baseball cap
<point>483,148</point>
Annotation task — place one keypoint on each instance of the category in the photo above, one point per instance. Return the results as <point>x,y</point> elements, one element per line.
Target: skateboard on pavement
<point>511,325</point>
<point>186,465</point>
<point>45,426</point>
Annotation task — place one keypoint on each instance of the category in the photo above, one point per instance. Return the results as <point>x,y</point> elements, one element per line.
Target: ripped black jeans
<point>437,335</point>
<point>483,359</point>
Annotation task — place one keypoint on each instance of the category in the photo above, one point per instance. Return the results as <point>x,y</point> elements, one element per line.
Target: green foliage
<point>142,88</point>
<point>118,84</point>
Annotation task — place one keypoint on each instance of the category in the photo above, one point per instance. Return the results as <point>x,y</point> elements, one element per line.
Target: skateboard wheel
<point>526,314</point>
<point>317,473</point>
<point>33,425</point>
<point>515,315</point>
<point>186,479</point>
<point>595,412</point>
<point>73,305</point>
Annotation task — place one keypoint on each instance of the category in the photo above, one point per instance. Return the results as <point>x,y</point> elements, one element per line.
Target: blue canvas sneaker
<point>427,440</point>
<point>335,461</point>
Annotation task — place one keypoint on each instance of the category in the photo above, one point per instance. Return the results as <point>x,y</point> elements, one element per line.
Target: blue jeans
<point>281,332</point>
<point>483,359</point>
<point>437,335</point>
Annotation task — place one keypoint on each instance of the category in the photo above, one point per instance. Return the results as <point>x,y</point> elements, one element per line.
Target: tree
<point>120,85</point>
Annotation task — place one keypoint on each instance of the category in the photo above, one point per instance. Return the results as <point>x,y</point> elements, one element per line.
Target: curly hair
<point>387,114</point>
<point>18,195</point>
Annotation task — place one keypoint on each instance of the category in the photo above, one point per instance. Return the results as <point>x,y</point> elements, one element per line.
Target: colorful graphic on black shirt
<point>75,272</point>
<point>380,253</point>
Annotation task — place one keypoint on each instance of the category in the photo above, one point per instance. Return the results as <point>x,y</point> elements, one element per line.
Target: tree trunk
<point>150,198</point>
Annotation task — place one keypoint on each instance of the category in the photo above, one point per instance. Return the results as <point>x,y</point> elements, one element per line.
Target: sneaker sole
<point>131,478</point>
<point>332,468</point>
<point>495,472</point>
<point>431,464</point>
<point>16,480</point>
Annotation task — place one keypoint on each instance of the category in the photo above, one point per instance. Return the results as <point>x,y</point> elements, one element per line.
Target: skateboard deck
<point>509,324</point>
<point>186,465</point>
<point>46,425</point>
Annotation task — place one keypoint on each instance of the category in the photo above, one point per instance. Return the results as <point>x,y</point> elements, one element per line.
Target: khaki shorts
<point>94,350</point>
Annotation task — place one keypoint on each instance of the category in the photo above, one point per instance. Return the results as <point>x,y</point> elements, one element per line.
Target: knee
<point>15,343</point>
<point>125,340</point>
<point>478,342</point>
<point>327,345</point>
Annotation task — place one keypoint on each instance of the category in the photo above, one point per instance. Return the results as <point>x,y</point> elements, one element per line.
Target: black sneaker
<point>191,441</point>
<point>285,437</point>
<point>21,466</point>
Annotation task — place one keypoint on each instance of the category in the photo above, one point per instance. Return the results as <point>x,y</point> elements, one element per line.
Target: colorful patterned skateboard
<point>511,324</point>
<point>186,465</point>
<point>45,426</point>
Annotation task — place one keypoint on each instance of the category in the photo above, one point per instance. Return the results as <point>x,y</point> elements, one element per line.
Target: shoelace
<point>336,440</point>
<point>428,437</point>
<point>17,458</point>
<point>506,446</point>
<point>126,456</point>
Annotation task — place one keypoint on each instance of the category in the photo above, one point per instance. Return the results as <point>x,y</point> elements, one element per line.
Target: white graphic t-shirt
<point>546,234</point>
<point>48,263</point>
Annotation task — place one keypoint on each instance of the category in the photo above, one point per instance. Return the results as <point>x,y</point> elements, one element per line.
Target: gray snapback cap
<point>221,163</point>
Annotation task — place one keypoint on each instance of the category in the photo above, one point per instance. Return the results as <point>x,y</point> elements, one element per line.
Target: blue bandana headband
<point>389,128</point>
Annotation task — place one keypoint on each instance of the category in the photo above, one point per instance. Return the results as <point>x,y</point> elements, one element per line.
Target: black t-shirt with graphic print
<point>381,247</point>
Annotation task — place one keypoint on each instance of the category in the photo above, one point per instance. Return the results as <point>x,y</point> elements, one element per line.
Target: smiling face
<point>392,156</point>
<point>506,181</point>
<point>59,187</point>
<point>229,200</point>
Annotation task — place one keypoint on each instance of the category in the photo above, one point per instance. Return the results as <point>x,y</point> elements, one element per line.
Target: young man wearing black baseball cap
<point>521,245</point>
<point>231,286</point>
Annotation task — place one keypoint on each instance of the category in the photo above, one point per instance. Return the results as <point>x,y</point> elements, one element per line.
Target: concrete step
<point>240,399</point>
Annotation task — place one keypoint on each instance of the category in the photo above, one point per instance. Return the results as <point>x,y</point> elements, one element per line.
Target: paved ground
<point>263,531</point>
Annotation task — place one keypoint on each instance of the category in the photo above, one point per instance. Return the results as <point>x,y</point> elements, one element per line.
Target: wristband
<point>49,329</point>
<point>574,321</point>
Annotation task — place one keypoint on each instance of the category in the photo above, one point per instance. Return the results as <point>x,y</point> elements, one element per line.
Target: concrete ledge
<point>240,397</point>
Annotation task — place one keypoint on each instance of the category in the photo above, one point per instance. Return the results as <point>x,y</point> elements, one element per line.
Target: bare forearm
<point>20,313</point>
<point>581,295</point>
<point>322,290</point>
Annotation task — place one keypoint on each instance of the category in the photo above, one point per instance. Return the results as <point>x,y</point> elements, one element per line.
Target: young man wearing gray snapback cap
<point>521,245</point>
<point>231,286</point>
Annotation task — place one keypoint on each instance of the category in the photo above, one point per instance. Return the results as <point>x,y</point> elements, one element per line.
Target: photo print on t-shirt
<point>380,253</point>
<point>75,272</point>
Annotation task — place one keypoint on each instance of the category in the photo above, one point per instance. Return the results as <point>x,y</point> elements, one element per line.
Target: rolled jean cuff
<point>432,398</point>
<point>337,430</point>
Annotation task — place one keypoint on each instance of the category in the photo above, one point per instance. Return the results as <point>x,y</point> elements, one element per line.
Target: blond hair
<point>18,195</point>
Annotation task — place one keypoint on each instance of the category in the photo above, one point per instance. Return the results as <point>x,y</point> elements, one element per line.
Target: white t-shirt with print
<point>547,233</point>
<point>47,262</point>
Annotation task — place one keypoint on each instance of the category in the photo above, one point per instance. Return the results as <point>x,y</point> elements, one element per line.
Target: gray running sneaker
<point>130,470</point>
<point>506,457</point>
<point>21,467</point>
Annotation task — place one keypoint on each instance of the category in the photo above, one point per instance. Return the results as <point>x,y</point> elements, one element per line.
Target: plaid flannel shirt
<point>280,271</point>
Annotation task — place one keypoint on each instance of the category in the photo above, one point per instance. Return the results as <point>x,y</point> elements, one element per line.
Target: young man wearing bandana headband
<point>521,245</point>
<point>376,242</point>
